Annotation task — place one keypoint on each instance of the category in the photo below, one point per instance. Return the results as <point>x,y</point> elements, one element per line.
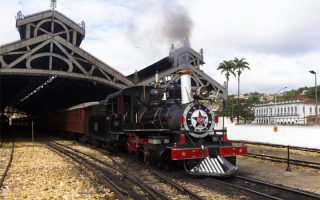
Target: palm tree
<point>227,67</point>
<point>239,66</point>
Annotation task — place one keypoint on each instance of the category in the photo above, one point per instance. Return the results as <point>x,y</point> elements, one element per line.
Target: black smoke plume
<point>177,24</point>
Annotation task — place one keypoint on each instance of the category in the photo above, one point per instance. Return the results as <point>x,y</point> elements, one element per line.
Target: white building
<point>294,111</point>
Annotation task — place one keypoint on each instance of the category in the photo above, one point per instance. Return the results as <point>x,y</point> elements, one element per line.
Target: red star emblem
<point>200,119</point>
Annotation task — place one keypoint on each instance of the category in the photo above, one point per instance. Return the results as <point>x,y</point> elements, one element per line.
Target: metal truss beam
<point>39,72</point>
<point>74,57</point>
<point>199,77</point>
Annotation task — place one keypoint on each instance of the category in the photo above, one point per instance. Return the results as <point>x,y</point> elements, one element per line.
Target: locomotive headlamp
<point>202,92</point>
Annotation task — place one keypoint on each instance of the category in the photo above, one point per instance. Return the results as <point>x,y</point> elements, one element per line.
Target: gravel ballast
<point>37,172</point>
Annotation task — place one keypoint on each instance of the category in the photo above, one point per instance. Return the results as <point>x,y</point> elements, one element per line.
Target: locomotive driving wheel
<point>190,164</point>
<point>165,162</point>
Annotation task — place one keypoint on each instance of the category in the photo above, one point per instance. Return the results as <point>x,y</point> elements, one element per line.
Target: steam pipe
<point>185,79</point>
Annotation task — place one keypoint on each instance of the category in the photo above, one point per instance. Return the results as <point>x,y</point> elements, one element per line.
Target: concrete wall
<point>301,136</point>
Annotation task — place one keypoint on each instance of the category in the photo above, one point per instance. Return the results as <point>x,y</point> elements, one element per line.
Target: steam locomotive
<point>168,126</point>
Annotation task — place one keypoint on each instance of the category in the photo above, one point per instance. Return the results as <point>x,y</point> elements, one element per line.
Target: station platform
<point>276,173</point>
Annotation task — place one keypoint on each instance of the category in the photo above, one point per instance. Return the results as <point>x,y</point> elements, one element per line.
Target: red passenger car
<point>72,120</point>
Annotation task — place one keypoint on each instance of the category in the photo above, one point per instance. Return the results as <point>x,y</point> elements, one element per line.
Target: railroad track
<point>99,173</point>
<point>7,167</point>
<point>303,163</point>
<point>279,146</point>
<point>257,188</point>
<point>157,178</point>
<point>152,186</point>
<point>265,190</point>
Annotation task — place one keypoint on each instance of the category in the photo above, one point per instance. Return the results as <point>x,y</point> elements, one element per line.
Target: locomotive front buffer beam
<point>202,161</point>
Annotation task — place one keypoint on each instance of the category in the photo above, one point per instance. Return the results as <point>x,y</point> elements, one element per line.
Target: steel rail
<point>300,192</point>
<point>172,183</point>
<point>279,146</point>
<point>175,185</point>
<point>119,192</point>
<point>8,165</point>
<point>286,190</point>
<point>285,160</point>
<point>153,192</point>
<point>148,189</point>
<point>246,189</point>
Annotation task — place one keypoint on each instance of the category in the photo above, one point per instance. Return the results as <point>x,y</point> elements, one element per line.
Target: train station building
<point>298,110</point>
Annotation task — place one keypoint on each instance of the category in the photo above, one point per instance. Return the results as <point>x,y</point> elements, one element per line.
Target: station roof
<point>151,70</point>
<point>27,25</point>
<point>47,70</point>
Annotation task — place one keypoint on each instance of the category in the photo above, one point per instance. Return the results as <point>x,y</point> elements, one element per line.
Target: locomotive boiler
<point>171,113</point>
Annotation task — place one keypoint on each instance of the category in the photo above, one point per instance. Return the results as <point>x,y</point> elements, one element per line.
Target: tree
<point>227,67</point>
<point>246,113</point>
<point>255,97</point>
<point>239,66</point>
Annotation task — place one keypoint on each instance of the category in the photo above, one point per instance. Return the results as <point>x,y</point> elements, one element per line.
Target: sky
<point>280,39</point>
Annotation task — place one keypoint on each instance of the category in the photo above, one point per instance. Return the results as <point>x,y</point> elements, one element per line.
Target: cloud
<point>279,39</point>
<point>282,27</point>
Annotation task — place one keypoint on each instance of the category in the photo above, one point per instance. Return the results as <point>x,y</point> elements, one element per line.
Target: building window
<point>295,110</point>
<point>310,110</point>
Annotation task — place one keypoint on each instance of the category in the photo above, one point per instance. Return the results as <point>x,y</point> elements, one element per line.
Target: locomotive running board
<point>214,167</point>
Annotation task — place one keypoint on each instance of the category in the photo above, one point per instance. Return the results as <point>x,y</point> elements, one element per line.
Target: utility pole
<point>316,94</point>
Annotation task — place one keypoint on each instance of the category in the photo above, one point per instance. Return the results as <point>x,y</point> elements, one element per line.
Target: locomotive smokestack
<point>157,83</point>
<point>185,79</point>
<point>157,77</point>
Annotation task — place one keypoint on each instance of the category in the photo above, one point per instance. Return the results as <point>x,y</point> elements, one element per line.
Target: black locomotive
<point>154,124</point>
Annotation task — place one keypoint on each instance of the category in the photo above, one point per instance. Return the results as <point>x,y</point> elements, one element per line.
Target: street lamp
<point>275,101</point>
<point>275,95</point>
<point>315,87</point>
